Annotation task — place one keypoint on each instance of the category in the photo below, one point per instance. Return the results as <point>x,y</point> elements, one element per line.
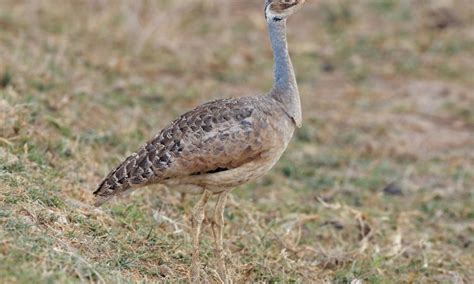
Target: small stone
<point>62,220</point>
<point>164,270</point>
<point>327,67</point>
<point>393,189</point>
<point>335,224</point>
<point>443,18</point>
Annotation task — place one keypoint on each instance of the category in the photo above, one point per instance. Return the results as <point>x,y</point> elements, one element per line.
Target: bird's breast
<point>273,139</point>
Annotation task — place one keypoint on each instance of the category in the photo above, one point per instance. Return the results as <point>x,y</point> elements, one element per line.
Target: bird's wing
<point>216,136</point>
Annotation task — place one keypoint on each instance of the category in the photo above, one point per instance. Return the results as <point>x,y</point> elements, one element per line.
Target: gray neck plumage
<point>285,88</point>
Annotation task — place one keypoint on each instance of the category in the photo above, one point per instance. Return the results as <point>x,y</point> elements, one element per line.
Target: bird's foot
<point>195,269</point>
<point>221,269</point>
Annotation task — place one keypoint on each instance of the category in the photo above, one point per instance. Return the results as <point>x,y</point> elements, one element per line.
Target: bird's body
<point>221,144</point>
<point>218,145</point>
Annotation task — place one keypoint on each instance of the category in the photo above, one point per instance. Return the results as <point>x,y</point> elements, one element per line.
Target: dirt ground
<point>377,186</point>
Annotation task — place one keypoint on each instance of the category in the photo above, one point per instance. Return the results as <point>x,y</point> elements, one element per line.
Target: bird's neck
<point>285,88</point>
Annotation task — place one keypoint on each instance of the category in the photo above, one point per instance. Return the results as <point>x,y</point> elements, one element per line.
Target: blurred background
<point>377,186</point>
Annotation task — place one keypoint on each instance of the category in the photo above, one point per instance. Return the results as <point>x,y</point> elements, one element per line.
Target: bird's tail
<point>108,188</point>
<point>140,169</point>
<point>135,171</point>
<point>116,182</point>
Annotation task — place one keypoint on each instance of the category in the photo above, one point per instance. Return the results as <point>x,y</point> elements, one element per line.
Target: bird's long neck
<point>285,88</point>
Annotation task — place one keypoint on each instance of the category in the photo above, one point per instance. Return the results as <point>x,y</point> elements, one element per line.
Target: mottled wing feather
<point>213,137</point>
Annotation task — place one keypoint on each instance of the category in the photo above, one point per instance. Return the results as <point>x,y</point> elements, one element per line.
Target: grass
<point>386,88</point>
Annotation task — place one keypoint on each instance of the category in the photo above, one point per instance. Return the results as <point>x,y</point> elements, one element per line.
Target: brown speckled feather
<point>214,137</point>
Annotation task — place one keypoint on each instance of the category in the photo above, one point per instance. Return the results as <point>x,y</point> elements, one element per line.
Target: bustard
<point>221,144</point>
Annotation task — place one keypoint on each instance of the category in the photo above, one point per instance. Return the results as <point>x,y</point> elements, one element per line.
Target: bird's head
<point>277,10</point>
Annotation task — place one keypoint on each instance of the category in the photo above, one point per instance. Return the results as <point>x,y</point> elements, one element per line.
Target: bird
<point>219,145</point>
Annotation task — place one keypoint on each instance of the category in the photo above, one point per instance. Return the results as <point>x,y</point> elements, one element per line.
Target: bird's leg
<point>197,218</point>
<point>217,228</point>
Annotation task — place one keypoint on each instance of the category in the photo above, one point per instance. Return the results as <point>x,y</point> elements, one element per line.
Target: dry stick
<point>359,218</point>
<point>301,222</point>
<point>6,141</point>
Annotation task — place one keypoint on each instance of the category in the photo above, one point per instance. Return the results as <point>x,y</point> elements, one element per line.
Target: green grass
<point>83,84</point>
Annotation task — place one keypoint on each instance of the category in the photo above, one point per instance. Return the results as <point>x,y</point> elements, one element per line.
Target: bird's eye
<point>288,2</point>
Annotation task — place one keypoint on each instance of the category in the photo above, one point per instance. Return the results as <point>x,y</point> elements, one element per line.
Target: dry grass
<point>387,93</point>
